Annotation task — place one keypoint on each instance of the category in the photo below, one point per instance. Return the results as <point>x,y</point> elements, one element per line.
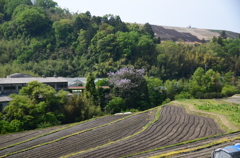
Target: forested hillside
<point>39,38</point>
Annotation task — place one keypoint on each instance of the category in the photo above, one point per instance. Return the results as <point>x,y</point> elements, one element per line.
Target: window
<point>9,88</point>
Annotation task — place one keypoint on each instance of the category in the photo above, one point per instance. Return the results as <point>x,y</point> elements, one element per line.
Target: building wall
<point>10,88</point>
<point>3,105</point>
<point>14,88</point>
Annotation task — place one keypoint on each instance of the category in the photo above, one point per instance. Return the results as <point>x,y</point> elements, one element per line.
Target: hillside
<point>157,131</point>
<point>188,34</point>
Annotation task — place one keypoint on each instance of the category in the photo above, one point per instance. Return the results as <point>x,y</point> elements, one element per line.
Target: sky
<point>207,14</point>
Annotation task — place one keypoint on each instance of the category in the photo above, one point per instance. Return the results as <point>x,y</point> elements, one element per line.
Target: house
<point>13,85</point>
<point>78,81</point>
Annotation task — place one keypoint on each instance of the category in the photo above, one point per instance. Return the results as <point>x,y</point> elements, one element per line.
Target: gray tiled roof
<point>26,80</point>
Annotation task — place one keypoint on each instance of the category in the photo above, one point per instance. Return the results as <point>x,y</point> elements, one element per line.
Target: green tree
<point>116,105</point>
<point>31,21</point>
<point>10,6</point>
<point>81,108</point>
<point>224,35</point>
<point>90,85</point>
<point>147,28</point>
<point>36,105</point>
<point>46,3</point>
<point>63,30</point>
<point>199,82</point>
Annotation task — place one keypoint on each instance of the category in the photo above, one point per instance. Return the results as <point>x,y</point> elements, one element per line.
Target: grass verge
<point>213,109</point>
<point>157,116</point>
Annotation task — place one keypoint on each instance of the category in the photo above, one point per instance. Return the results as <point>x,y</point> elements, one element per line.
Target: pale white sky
<point>208,14</point>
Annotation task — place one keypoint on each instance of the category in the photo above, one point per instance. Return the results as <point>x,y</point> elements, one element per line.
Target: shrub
<point>183,95</point>
<point>116,105</point>
<point>229,90</point>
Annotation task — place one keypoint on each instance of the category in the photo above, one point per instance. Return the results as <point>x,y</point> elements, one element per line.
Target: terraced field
<point>81,137</point>
<point>174,126</point>
<point>202,152</point>
<point>113,136</point>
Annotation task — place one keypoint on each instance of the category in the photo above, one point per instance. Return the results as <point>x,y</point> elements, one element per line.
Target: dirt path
<point>223,119</point>
<point>234,99</point>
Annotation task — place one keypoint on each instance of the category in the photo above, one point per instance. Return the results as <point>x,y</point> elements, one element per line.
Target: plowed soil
<point>174,126</point>
<point>83,141</point>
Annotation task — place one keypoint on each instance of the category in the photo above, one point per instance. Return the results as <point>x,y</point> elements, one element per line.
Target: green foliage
<point>199,82</point>
<point>90,85</point>
<point>80,108</point>
<point>183,95</point>
<point>116,105</point>
<point>45,3</point>
<point>10,6</point>
<point>102,82</point>
<point>35,106</point>
<point>229,90</point>
<point>230,110</point>
<point>63,29</point>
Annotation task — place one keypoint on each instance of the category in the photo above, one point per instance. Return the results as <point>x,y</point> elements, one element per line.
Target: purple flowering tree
<point>130,84</point>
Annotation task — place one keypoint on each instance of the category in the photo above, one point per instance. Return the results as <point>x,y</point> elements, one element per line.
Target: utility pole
<point>205,68</point>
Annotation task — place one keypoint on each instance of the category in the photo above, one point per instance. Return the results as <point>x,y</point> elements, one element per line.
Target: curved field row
<point>92,138</point>
<point>52,136</point>
<point>206,152</point>
<point>221,118</point>
<point>186,145</point>
<point>174,126</point>
<point>8,139</point>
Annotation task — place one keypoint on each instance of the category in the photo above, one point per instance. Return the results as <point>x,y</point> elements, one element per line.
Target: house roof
<point>19,75</point>
<point>79,79</point>
<point>5,98</point>
<point>26,80</point>
<point>82,87</point>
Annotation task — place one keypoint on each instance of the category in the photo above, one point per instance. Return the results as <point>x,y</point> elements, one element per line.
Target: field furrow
<point>172,127</point>
<point>91,139</point>
<point>194,144</point>
<point>55,135</point>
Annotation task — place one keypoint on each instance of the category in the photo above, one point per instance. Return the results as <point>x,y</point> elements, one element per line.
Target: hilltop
<point>189,34</point>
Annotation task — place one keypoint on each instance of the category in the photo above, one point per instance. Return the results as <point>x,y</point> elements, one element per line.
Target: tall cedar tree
<point>90,85</point>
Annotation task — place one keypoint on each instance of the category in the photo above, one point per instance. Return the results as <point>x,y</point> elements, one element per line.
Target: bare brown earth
<point>188,34</point>
<point>203,153</point>
<point>174,126</point>
<point>85,140</point>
